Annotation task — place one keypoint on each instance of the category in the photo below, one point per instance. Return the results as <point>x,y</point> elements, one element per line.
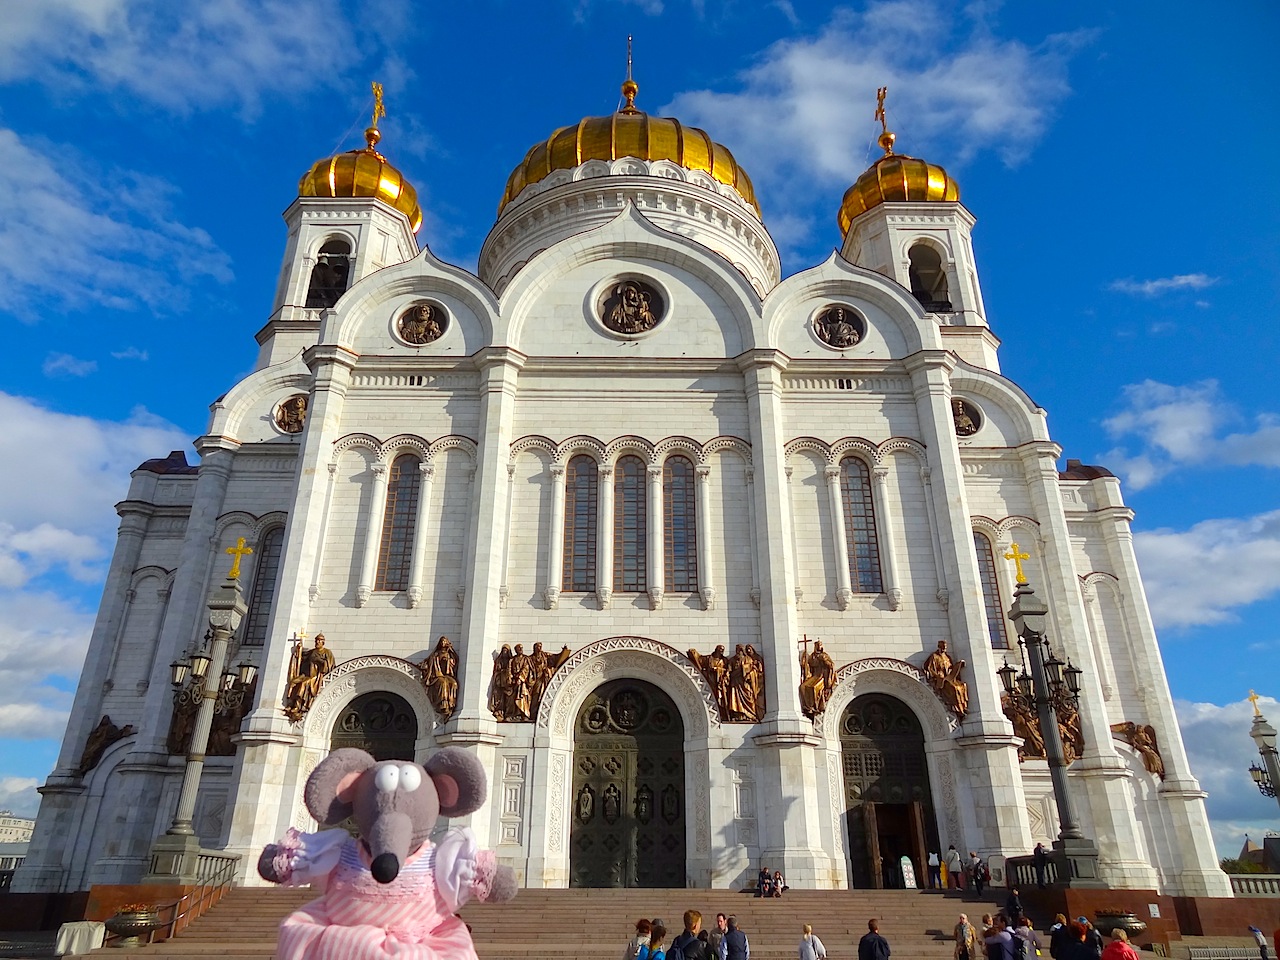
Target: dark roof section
<point>1083,471</point>
<point>174,463</point>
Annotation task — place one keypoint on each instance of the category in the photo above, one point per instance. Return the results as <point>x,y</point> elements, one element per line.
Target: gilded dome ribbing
<point>894,178</point>
<point>363,173</point>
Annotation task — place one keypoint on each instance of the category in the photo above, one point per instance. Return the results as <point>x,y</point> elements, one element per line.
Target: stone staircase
<point>542,924</point>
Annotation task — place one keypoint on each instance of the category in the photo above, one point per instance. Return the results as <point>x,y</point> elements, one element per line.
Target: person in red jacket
<point>1119,948</point>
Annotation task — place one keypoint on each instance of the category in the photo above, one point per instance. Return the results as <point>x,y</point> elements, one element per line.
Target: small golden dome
<point>629,133</point>
<point>893,178</point>
<point>363,173</point>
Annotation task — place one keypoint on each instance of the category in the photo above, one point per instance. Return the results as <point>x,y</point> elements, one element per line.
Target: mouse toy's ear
<point>331,786</point>
<point>460,781</point>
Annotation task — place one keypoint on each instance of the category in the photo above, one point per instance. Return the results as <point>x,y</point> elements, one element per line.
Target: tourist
<point>977,872</point>
<point>1092,939</point>
<point>779,885</point>
<point>811,947</point>
<point>999,941</point>
<point>966,940</point>
<point>955,872</point>
<point>764,883</point>
<point>1013,907</point>
<point>1261,939</point>
<point>935,871</point>
<point>1075,946</point>
<point>1027,938</point>
<point>641,939</point>
<point>1040,857</point>
<point>1120,949</point>
<point>1059,937</point>
<point>735,945</point>
<point>872,946</point>
<point>716,935</point>
<point>654,950</point>
<point>688,942</point>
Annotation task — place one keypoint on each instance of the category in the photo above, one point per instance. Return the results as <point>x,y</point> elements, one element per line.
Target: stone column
<point>788,746</point>
<point>996,821</point>
<point>1101,774</point>
<point>844,583</point>
<point>555,560</point>
<point>373,534</point>
<point>604,536</point>
<point>653,530</point>
<point>702,510</point>
<point>426,472</point>
<point>317,570</point>
<point>884,531</point>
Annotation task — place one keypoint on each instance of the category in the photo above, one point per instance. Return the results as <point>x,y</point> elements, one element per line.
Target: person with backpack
<point>1013,907</point>
<point>811,947</point>
<point>688,946</point>
<point>654,950</point>
<point>977,872</point>
<point>1025,941</point>
<point>641,939</point>
<point>999,941</point>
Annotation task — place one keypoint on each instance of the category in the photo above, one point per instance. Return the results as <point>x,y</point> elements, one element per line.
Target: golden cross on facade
<point>1017,559</point>
<point>1254,698</point>
<point>238,551</point>
<point>378,109</point>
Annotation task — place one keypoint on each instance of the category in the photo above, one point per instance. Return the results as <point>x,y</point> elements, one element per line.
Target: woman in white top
<point>811,947</point>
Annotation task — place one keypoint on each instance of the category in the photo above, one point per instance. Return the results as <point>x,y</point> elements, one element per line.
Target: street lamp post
<point>1077,854</point>
<point>175,855</point>
<point>1267,776</point>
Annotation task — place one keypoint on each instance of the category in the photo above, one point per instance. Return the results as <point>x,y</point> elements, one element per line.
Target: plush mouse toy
<point>391,893</point>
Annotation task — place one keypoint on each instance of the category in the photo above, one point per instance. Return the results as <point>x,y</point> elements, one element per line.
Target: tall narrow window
<point>928,278</point>
<point>629,526</point>
<point>331,274</point>
<point>265,573</point>
<point>990,591</point>
<point>860,527</point>
<point>580,481</point>
<point>679,522</point>
<point>398,521</point>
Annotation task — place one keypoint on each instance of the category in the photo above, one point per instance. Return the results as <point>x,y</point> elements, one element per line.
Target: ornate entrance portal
<point>628,789</point>
<point>381,723</point>
<point>886,787</point>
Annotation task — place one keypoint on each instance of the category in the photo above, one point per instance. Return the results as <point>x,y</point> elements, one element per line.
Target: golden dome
<point>629,133</point>
<point>363,173</point>
<point>895,178</point>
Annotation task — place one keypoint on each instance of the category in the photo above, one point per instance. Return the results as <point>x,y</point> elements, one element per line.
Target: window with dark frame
<point>630,526</point>
<point>679,525</point>
<point>990,592</point>
<point>581,479</point>
<point>860,527</point>
<point>395,554</point>
<point>263,594</point>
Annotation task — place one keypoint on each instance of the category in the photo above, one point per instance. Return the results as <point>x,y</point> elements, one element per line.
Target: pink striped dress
<point>411,918</point>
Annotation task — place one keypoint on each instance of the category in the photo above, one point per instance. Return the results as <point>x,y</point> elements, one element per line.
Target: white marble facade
<point>525,377</point>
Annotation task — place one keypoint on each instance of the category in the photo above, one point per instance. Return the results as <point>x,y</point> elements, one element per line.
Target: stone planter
<point>1128,922</point>
<point>133,926</point>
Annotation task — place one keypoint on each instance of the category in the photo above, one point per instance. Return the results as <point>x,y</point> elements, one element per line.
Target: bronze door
<point>382,724</point>
<point>628,789</point>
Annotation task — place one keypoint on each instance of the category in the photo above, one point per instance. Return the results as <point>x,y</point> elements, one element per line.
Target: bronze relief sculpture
<point>422,323</point>
<point>966,417</point>
<point>520,680</point>
<point>631,307</point>
<point>737,682</point>
<point>307,671</point>
<point>440,678</point>
<point>1142,737</point>
<point>818,677</point>
<point>943,676</point>
<point>838,326</point>
<point>292,413</point>
<point>100,737</point>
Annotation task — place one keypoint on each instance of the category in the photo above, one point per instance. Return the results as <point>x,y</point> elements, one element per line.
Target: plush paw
<point>504,885</point>
<point>266,863</point>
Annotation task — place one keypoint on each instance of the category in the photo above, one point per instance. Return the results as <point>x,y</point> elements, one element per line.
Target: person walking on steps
<point>811,947</point>
<point>955,872</point>
<point>688,946</point>
<point>966,940</point>
<point>935,871</point>
<point>872,946</point>
<point>735,945</point>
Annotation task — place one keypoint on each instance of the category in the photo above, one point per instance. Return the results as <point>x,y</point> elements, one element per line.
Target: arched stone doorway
<point>886,784</point>
<point>628,803</point>
<point>379,722</point>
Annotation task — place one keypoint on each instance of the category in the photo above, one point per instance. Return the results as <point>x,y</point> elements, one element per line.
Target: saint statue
<point>100,737</point>
<point>1143,739</point>
<point>837,327</point>
<point>819,677</point>
<point>421,324</point>
<point>715,668</point>
<point>745,697</point>
<point>521,704</point>
<point>544,667</point>
<point>500,696</point>
<point>440,677</point>
<point>630,308</point>
<point>943,676</point>
<point>306,673</point>
<point>965,418</point>
<point>292,414</point>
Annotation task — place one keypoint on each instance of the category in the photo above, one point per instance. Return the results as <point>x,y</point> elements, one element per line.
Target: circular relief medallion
<point>422,323</point>
<point>291,414</point>
<point>628,709</point>
<point>839,326</point>
<point>631,307</point>
<point>966,417</point>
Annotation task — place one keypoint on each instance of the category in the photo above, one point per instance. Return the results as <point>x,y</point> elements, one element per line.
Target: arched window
<point>265,573</point>
<point>928,278</point>
<point>331,274</point>
<point>629,526</point>
<point>581,478</point>
<point>679,525</point>
<point>860,527</point>
<point>398,522</point>
<point>990,591</point>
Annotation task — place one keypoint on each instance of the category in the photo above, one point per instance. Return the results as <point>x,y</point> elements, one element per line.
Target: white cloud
<point>130,353</point>
<point>804,109</point>
<point>43,639</point>
<point>1220,751</point>
<point>65,365</point>
<point>75,234</point>
<point>1198,576</point>
<point>182,57</point>
<point>1163,285</point>
<point>1177,425</point>
<point>18,794</point>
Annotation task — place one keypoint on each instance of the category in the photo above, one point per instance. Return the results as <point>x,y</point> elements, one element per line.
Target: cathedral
<point>710,567</point>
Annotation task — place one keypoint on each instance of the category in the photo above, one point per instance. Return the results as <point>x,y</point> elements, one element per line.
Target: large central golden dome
<point>629,133</point>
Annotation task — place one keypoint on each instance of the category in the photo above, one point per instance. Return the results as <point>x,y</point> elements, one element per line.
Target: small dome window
<point>929,279</point>
<point>331,275</point>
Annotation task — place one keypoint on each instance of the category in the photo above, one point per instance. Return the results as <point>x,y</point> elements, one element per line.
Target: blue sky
<point>1116,161</point>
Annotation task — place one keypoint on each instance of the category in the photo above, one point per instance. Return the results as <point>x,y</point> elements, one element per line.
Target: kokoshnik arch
<point>623,443</point>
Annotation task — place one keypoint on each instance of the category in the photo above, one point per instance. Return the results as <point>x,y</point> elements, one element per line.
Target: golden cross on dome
<point>1017,559</point>
<point>628,56</point>
<point>379,110</point>
<point>1254,698</point>
<point>629,87</point>
<point>880,95</point>
<point>238,551</point>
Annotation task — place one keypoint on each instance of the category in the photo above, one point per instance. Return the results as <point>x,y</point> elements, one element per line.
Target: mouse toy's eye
<point>387,779</point>
<point>410,778</point>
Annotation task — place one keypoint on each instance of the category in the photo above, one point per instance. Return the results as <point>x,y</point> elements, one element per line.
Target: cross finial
<point>379,110</point>
<point>886,135</point>
<point>629,87</point>
<point>628,56</point>
<point>238,551</point>
<point>1254,698</point>
<point>1017,559</point>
